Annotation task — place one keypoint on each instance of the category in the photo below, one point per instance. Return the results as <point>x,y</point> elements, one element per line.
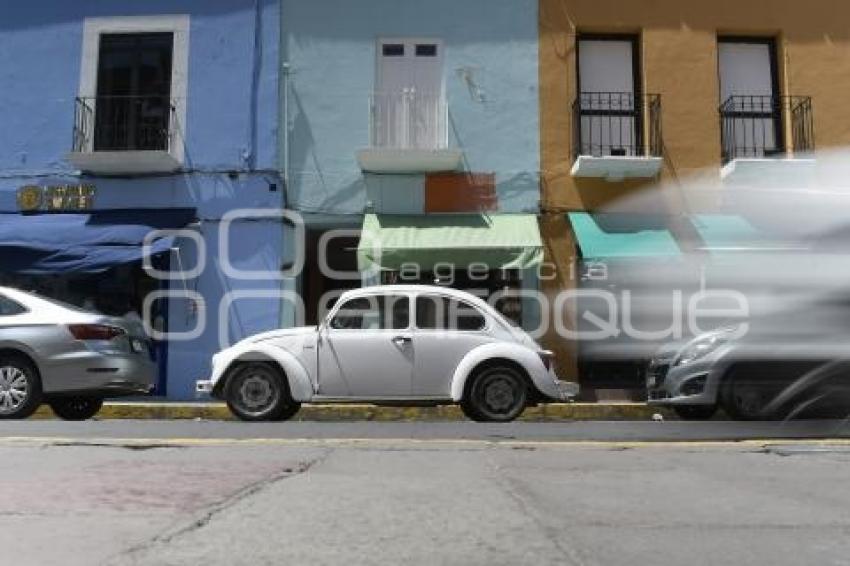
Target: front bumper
<point>203,387</point>
<point>693,384</point>
<point>567,389</point>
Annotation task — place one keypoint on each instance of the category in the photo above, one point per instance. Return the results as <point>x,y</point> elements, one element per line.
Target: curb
<point>550,412</point>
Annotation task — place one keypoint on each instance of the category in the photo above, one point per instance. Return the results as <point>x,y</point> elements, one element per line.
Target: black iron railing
<point>617,123</point>
<point>754,126</point>
<point>123,123</point>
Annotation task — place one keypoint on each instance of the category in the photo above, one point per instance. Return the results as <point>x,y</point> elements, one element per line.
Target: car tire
<point>695,412</point>
<point>258,391</point>
<point>20,387</point>
<point>745,399</point>
<point>497,393</point>
<point>77,408</point>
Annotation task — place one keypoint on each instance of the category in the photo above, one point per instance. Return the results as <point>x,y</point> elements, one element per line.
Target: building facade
<point>122,117</point>
<point>410,144</point>
<point>682,94</point>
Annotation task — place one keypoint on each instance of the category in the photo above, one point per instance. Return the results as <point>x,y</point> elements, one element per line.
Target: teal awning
<point>621,235</point>
<point>733,233</point>
<point>501,241</point>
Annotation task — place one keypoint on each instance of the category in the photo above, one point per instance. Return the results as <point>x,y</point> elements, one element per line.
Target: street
<point>204,492</point>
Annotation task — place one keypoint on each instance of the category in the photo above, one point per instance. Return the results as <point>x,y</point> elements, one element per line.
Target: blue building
<point>410,143</point>
<point>119,117</point>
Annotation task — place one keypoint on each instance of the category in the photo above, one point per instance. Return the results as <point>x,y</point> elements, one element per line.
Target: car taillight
<point>95,331</point>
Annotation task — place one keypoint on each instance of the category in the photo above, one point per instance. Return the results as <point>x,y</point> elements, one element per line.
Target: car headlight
<point>705,345</point>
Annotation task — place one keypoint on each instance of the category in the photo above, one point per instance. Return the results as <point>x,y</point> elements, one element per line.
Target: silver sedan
<point>70,358</point>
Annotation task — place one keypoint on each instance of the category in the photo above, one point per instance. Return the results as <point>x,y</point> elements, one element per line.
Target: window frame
<point>340,304</point>
<point>176,24</point>
<point>415,313</point>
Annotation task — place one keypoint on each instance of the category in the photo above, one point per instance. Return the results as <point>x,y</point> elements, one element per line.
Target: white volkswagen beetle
<point>394,345</point>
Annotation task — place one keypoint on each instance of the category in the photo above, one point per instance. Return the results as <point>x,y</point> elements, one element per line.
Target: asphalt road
<point>190,493</point>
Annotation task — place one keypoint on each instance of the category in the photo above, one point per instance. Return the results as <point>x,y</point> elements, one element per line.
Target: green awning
<point>620,235</point>
<point>501,241</point>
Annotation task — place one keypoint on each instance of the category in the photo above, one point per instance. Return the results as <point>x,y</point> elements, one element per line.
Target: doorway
<point>409,110</point>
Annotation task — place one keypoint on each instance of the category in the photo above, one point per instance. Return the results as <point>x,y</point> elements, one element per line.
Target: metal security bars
<point>617,124</point>
<point>123,123</point>
<point>408,120</point>
<point>754,126</point>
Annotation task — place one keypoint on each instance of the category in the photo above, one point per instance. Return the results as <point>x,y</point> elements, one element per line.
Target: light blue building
<point>413,126</point>
<point>120,116</point>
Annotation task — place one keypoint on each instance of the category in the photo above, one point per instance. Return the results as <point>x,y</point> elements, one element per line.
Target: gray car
<point>757,370</point>
<point>68,357</point>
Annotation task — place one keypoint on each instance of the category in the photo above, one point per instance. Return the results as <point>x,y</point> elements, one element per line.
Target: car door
<point>366,349</point>
<point>446,330</point>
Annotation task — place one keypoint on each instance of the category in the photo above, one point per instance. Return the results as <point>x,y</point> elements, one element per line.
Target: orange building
<point>637,92</point>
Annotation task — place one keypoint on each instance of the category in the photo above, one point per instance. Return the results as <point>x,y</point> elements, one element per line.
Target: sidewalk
<point>309,412</point>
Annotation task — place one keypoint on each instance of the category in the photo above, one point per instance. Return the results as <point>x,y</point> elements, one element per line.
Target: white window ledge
<point>768,171</point>
<point>408,161</point>
<point>616,168</point>
<point>124,162</point>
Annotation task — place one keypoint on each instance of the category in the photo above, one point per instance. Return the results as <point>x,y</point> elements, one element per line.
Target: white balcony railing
<point>409,119</point>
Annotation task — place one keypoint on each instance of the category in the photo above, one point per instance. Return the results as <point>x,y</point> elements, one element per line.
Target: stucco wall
<point>230,139</point>
<point>330,45</point>
<point>678,44</point>
<point>40,46</point>
<point>678,52</point>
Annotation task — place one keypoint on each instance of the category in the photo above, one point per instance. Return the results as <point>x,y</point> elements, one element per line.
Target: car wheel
<point>20,388</point>
<point>745,399</point>
<point>258,392</point>
<point>76,408</point>
<point>695,412</point>
<point>496,394</point>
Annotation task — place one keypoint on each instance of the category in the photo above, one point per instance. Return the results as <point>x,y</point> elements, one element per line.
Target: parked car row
<point>397,345</point>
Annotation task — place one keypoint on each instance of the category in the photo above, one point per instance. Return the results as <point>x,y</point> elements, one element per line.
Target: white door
<point>445,331</point>
<point>609,122</point>
<point>409,108</point>
<point>366,349</point>
<point>747,95</point>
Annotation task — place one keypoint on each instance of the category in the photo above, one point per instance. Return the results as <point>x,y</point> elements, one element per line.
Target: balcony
<point>765,139</point>
<point>616,135</point>
<point>125,135</point>
<point>408,134</point>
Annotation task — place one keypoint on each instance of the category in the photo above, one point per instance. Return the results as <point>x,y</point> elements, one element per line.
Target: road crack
<point>514,490</point>
<point>204,518</point>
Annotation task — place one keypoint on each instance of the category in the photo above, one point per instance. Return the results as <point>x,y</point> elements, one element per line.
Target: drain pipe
<point>284,193</point>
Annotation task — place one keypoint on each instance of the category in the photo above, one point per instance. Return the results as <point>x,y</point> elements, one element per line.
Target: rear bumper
<point>95,373</point>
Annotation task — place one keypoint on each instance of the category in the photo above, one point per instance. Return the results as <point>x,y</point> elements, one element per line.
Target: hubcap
<point>14,389</point>
<point>499,394</point>
<point>256,392</point>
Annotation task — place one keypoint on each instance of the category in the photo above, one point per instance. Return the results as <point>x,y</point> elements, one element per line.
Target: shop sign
<point>56,198</point>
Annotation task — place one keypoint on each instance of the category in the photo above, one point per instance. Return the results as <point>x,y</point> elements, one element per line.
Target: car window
<point>8,307</point>
<point>435,312</point>
<point>377,312</point>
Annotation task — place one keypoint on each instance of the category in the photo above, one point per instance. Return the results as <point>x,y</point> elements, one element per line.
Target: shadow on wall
<point>519,193</point>
<point>310,189</point>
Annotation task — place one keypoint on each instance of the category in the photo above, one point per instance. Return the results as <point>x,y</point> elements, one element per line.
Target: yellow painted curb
<point>343,412</point>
